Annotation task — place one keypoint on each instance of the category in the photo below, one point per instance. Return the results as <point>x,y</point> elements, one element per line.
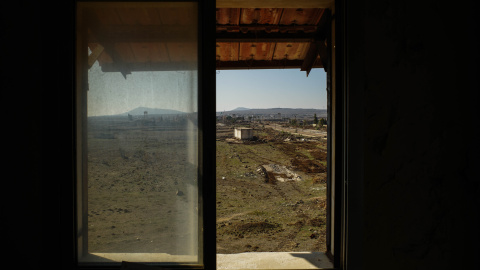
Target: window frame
<point>206,151</point>
<point>206,97</point>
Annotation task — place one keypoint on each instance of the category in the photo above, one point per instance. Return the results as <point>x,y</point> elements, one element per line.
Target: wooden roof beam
<point>261,64</point>
<point>265,37</point>
<point>269,28</point>
<point>316,48</point>
<point>275,4</point>
<point>107,45</point>
<point>310,58</point>
<point>96,52</point>
<point>144,33</point>
<point>159,66</point>
<point>319,46</point>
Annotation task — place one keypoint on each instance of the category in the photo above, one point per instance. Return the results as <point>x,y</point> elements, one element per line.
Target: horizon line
<point>244,108</point>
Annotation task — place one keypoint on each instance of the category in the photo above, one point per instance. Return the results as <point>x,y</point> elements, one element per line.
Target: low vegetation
<point>260,205</point>
<point>271,191</point>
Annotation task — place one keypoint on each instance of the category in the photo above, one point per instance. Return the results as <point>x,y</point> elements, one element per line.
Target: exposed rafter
<point>96,52</point>
<point>279,37</point>
<point>269,36</point>
<point>262,64</point>
<point>159,66</point>
<point>269,28</point>
<point>265,37</point>
<point>144,33</point>
<point>274,4</point>
<point>108,45</point>
<point>310,58</point>
<point>317,48</point>
<point>224,65</point>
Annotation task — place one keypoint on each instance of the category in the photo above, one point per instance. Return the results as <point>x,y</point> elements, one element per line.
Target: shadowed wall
<point>413,93</point>
<point>413,96</point>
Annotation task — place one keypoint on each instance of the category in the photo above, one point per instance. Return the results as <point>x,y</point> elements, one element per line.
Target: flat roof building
<point>244,133</point>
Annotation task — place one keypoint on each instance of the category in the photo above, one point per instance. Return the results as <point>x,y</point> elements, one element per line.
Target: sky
<point>110,93</point>
<point>269,88</point>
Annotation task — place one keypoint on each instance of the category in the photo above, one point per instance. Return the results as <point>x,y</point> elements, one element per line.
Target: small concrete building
<point>244,133</point>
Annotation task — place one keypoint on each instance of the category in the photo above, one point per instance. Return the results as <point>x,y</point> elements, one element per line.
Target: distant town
<point>290,116</point>
<point>284,115</point>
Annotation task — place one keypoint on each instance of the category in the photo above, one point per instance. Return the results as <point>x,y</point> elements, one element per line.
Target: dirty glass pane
<point>140,189</point>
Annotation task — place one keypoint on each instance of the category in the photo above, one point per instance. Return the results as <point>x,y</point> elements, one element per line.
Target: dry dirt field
<point>270,192</point>
<point>141,188</point>
<point>142,197</point>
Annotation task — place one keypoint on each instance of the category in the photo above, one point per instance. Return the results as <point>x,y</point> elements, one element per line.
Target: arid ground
<point>271,191</point>
<point>142,193</point>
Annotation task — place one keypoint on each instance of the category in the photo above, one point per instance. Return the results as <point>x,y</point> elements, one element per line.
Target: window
<point>137,74</point>
<point>145,155</point>
<point>256,45</point>
<point>271,176</point>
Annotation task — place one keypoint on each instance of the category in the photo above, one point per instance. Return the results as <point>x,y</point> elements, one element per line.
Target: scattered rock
<point>261,170</point>
<point>249,174</point>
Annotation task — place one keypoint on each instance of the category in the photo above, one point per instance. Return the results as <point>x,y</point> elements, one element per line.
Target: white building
<point>244,133</point>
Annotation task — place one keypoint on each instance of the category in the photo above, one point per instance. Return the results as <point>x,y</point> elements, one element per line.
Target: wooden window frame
<point>338,101</point>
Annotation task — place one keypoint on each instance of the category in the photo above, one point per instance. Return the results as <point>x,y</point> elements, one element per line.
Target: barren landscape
<point>142,186</point>
<point>271,190</point>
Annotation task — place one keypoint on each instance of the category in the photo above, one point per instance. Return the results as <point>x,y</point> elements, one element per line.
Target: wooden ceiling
<point>126,37</point>
<point>254,38</point>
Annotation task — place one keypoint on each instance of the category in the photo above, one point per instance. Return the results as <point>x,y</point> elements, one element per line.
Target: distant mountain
<point>141,110</point>
<point>272,111</point>
<point>240,109</point>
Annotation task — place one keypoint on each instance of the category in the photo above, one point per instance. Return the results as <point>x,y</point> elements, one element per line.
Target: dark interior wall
<point>413,95</point>
<point>36,63</point>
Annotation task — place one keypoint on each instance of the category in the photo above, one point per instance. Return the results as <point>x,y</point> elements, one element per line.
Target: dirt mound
<point>308,166</point>
<point>275,172</point>
<point>316,222</point>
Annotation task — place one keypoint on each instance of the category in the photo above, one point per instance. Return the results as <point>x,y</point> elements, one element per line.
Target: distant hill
<point>141,110</point>
<point>240,109</point>
<point>284,111</point>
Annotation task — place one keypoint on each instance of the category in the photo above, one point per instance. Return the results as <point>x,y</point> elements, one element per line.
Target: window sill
<point>274,260</point>
<point>248,260</point>
<point>94,258</point>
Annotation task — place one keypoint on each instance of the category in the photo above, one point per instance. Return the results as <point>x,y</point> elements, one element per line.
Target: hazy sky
<point>280,88</point>
<point>109,93</point>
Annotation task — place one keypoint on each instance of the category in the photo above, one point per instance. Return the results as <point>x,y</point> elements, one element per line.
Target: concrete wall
<point>244,133</point>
